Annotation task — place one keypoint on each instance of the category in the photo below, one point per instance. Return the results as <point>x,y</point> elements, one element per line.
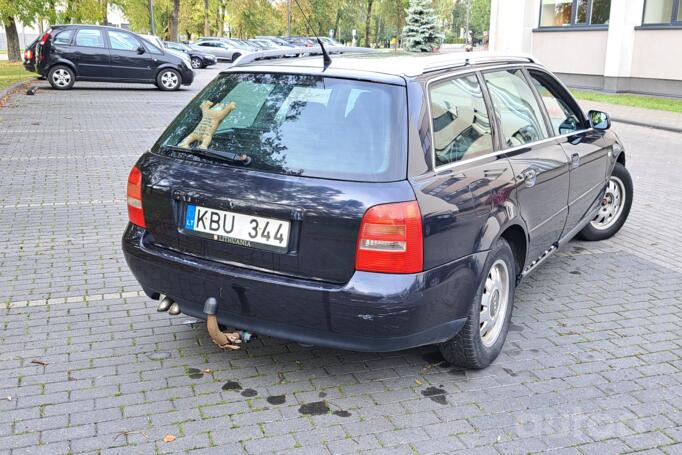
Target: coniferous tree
<point>421,30</point>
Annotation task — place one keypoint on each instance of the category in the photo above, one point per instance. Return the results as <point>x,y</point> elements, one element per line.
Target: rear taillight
<point>135,212</point>
<point>28,55</point>
<point>390,239</point>
<point>43,39</point>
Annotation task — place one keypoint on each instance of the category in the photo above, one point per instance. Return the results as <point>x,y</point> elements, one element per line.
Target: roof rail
<point>299,51</point>
<point>488,57</point>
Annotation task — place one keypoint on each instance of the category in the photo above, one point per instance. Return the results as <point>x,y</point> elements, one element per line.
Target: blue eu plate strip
<point>189,217</point>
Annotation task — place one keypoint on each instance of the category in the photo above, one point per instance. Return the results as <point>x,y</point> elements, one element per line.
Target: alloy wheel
<point>61,77</point>
<point>169,80</point>
<point>611,205</point>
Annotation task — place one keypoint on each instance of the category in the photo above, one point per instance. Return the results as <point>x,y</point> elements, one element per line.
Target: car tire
<point>235,56</point>
<point>61,77</point>
<point>197,63</point>
<point>168,79</point>
<point>615,208</point>
<point>477,345</point>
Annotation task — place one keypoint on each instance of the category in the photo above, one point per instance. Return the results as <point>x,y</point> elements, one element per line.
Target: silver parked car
<point>222,49</point>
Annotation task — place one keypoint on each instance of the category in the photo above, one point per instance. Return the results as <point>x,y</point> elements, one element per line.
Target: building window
<point>657,12</point>
<point>581,13</point>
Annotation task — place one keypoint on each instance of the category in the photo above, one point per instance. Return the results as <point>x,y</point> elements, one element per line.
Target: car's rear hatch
<point>322,151</point>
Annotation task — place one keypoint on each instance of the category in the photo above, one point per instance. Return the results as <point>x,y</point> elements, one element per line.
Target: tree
<point>13,48</point>
<point>479,18</point>
<point>393,12</point>
<point>24,11</point>
<point>207,32</point>
<point>420,33</point>
<point>368,20</point>
<point>174,22</point>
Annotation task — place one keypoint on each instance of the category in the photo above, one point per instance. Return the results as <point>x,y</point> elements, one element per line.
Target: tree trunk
<point>206,30</point>
<point>368,21</point>
<point>337,36</point>
<point>105,11</point>
<point>13,48</point>
<point>173,26</point>
<point>219,31</point>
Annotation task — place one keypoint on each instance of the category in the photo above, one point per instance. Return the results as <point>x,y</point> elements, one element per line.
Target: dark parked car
<point>376,204</point>
<point>30,56</point>
<point>67,53</point>
<point>198,59</point>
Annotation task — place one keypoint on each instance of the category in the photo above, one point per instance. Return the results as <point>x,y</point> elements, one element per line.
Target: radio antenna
<point>325,56</point>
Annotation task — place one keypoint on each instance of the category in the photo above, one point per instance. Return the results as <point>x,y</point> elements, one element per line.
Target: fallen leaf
<point>39,362</point>
<point>169,438</point>
<point>418,382</point>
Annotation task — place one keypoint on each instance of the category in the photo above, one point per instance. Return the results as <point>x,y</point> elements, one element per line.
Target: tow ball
<point>224,340</point>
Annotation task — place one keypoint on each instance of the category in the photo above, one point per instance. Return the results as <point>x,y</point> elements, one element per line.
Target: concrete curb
<point>658,126</point>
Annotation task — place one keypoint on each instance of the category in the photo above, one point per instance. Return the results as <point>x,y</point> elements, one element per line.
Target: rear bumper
<point>372,312</point>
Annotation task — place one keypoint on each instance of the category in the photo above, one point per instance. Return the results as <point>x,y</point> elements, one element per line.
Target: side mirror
<point>599,120</point>
<point>140,50</point>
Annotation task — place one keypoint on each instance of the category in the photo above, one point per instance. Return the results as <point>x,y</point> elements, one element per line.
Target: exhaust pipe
<point>165,304</point>
<point>174,309</point>
<point>224,340</point>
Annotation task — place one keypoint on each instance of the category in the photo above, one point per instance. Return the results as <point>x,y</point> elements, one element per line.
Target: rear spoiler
<point>299,51</point>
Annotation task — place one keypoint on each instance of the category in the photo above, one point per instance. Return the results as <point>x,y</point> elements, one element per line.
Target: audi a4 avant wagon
<point>66,53</point>
<point>375,204</point>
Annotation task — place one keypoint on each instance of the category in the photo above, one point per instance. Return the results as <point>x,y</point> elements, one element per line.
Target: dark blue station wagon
<point>374,204</point>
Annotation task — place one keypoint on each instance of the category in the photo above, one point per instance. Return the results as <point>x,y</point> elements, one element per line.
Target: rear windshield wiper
<point>236,158</point>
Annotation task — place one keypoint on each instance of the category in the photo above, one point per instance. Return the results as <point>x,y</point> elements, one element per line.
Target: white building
<point>613,45</point>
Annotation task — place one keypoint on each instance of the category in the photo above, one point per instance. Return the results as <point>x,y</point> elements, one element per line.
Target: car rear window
<point>301,125</point>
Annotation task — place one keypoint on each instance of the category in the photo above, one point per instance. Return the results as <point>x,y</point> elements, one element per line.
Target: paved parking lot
<point>593,363</point>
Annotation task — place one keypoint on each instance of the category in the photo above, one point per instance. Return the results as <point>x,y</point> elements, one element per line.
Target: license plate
<point>237,228</point>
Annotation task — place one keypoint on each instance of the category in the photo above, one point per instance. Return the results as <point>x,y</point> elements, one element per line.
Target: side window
<point>123,41</point>
<point>89,37</point>
<point>63,38</point>
<point>516,108</point>
<point>565,119</point>
<point>151,48</point>
<point>461,124</point>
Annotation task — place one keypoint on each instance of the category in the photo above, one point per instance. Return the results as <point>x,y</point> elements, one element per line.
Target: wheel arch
<point>64,63</point>
<point>621,158</point>
<point>516,237</point>
<point>167,66</point>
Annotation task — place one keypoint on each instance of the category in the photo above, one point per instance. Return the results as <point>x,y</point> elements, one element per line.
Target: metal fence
<point>24,39</point>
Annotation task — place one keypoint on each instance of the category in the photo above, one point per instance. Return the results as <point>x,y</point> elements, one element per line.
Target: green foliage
<point>421,31</point>
<point>11,73</point>
<point>250,18</point>
<point>247,18</point>
<point>626,99</point>
<point>453,38</point>
<point>479,19</point>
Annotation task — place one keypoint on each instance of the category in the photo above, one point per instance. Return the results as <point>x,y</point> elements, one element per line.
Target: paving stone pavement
<point>593,362</point>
